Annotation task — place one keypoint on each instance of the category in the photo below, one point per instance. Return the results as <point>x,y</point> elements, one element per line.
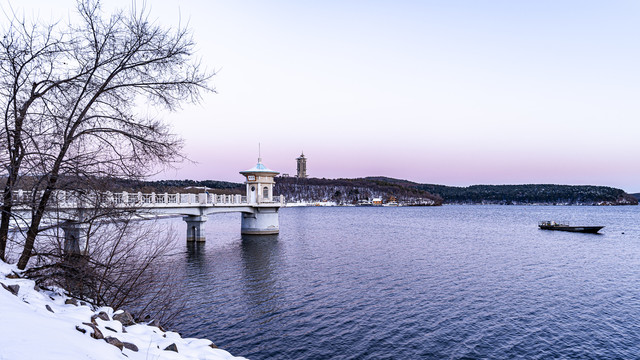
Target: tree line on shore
<point>545,194</point>
<point>176,186</point>
<point>351,191</point>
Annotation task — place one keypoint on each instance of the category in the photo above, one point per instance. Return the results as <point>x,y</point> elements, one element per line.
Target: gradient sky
<point>449,92</point>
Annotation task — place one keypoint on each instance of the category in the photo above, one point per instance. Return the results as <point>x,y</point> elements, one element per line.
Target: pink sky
<point>449,92</point>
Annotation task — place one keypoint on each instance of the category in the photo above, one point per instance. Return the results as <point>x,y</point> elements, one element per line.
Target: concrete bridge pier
<point>195,227</point>
<point>263,221</point>
<point>75,238</point>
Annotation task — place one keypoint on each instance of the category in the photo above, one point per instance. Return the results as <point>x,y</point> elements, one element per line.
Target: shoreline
<point>328,204</point>
<point>38,323</point>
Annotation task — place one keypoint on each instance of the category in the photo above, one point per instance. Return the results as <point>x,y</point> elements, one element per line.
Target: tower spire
<point>302,166</point>
<point>259,154</point>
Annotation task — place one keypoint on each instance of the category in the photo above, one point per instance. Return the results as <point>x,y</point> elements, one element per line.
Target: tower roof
<point>259,168</point>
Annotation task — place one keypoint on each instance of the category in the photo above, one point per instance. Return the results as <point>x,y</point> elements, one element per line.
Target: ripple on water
<point>445,283</point>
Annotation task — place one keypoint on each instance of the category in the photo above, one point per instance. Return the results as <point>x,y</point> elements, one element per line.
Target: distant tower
<point>302,166</point>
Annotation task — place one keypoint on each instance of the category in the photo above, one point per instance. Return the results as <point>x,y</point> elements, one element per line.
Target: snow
<point>28,330</point>
<point>314,203</point>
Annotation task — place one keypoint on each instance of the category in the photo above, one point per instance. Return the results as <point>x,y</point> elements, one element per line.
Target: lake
<point>444,282</point>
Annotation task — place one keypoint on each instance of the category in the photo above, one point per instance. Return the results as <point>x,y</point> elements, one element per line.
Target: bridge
<point>259,207</point>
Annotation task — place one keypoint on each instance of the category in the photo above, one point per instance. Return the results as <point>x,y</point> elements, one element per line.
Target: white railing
<point>274,200</point>
<point>76,199</point>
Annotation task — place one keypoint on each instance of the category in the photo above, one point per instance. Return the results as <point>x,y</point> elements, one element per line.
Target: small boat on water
<point>552,225</point>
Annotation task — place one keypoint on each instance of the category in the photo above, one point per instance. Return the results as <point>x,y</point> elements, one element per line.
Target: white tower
<point>259,182</point>
<point>264,218</point>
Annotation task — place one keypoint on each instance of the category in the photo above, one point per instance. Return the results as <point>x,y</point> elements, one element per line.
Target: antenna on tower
<point>259,154</point>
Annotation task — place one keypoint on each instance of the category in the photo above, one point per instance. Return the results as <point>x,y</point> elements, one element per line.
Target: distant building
<point>302,166</point>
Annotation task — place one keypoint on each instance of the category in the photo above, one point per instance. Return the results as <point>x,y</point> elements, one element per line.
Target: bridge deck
<point>163,203</point>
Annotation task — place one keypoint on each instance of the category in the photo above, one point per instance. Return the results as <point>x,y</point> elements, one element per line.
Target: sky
<point>446,92</point>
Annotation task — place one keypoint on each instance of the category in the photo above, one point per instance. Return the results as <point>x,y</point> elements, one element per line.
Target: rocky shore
<point>40,323</point>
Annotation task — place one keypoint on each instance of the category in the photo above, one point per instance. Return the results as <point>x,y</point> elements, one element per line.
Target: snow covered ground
<point>40,324</point>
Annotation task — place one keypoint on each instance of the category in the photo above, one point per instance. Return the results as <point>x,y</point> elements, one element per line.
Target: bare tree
<point>124,267</point>
<point>71,96</point>
<point>28,53</point>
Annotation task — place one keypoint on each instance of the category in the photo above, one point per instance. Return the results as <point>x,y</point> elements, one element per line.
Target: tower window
<point>265,192</point>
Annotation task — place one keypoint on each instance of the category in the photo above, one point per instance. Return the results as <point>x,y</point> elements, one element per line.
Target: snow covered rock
<point>46,324</point>
<point>171,347</point>
<point>71,302</point>
<point>14,289</point>
<point>124,317</point>
<point>130,346</point>
<point>114,341</point>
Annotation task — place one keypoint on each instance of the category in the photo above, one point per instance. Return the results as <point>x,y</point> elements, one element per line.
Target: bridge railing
<point>20,196</point>
<point>273,200</point>
<point>76,199</point>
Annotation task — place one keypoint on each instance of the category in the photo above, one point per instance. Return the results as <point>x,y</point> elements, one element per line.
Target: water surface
<point>418,282</point>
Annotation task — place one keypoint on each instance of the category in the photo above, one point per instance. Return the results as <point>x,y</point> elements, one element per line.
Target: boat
<point>552,225</point>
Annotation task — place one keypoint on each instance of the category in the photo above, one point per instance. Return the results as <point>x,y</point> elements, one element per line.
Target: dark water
<point>446,282</point>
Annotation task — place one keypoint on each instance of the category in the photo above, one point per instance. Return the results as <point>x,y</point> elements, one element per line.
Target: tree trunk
<point>4,221</point>
<point>16,154</point>
<point>36,218</point>
<point>7,204</point>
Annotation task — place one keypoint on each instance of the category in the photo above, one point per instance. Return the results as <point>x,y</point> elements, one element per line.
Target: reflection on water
<point>261,259</point>
<point>196,254</point>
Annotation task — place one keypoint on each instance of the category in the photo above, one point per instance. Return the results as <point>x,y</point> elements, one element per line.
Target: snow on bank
<point>40,325</point>
<point>315,203</point>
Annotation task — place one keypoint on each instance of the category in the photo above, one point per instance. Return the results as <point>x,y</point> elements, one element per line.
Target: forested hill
<point>340,191</point>
<point>221,187</point>
<point>350,191</point>
<point>524,194</point>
